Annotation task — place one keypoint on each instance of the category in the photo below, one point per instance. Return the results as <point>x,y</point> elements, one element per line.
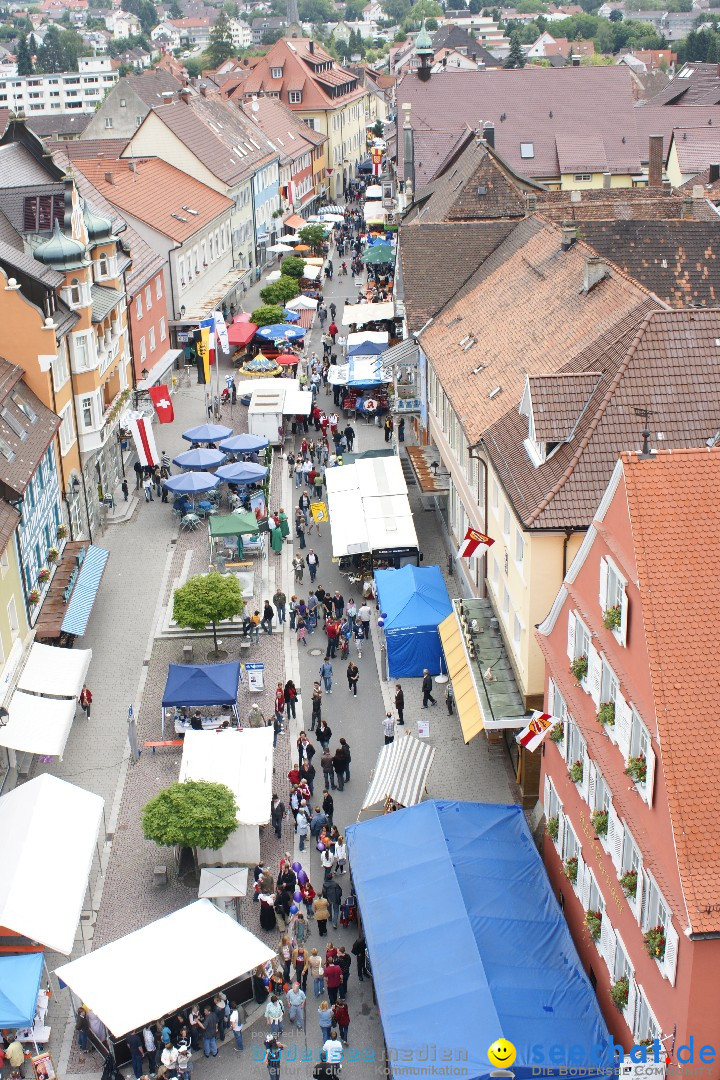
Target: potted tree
<point>619,992</point>
<point>579,668</point>
<point>606,714</point>
<point>636,768</point>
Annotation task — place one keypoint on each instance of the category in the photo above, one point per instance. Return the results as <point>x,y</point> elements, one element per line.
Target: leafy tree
<point>279,292</point>
<point>175,11</point>
<point>474,7</point>
<point>317,11</point>
<point>425,9</point>
<point>51,54</point>
<point>194,814</point>
<point>266,315</point>
<point>220,46</point>
<point>121,45</point>
<point>616,15</point>
<point>314,236</point>
<point>206,600</point>
<point>378,129</point>
<point>73,46</point>
<point>292,267</point>
<point>397,10</point>
<point>145,11</point>
<point>194,66</point>
<point>271,36</point>
<point>431,23</point>
<point>354,10</point>
<point>24,58</point>
<point>232,9</point>
<point>516,57</point>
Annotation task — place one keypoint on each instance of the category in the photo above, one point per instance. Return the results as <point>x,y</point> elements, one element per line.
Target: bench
<point>153,744</point>
<point>187,650</point>
<point>160,875</point>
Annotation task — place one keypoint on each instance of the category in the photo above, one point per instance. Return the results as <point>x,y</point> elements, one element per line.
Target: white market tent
<point>49,824</point>
<point>302,303</point>
<point>400,774</point>
<point>369,507</point>
<point>311,273</point>
<point>297,402</point>
<point>373,191</point>
<point>197,949</point>
<point>374,211</point>
<point>222,882</point>
<point>50,670</point>
<point>42,709</point>
<point>243,761</point>
<point>359,314</point>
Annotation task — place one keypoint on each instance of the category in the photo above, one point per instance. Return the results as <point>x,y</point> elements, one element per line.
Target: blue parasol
<point>243,444</point>
<point>290,316</point>
<point>278,331</point>
<point>200,457</point>
<point>242,472</point>
<point>192,483</point>
<point>207,433</point>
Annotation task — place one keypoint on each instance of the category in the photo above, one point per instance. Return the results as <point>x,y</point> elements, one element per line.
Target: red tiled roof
<point>654,119</point>
<point>293,55</point>
<point>697,148</point>
<point>673,507</point>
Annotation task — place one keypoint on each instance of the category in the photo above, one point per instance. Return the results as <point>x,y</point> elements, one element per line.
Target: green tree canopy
<point>516,56</point>
<point>145,11</point>
<point>292,266</point>
<point>194,814</point>
<point>266,315</point>
<point>279,292</point>
<point>175,11</point>
<point>220,46</point>
<point>206,600</point>
<point>354,10</point>
<point>51,54</point>
<point>24,58</point>
<point>317,11</point>
<point>314,236</point>
<point>397,10</point>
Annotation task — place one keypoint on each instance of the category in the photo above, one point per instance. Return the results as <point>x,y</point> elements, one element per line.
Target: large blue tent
<point>201,684</point>
<point>468,944</point>
<point>415,600</point>
<point>19,984</point>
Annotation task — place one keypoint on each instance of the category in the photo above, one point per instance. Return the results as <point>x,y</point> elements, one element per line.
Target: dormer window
<point>276,72</point>
<point>295,97</point>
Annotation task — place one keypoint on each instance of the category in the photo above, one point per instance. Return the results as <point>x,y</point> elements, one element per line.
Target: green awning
<point>233,524</point>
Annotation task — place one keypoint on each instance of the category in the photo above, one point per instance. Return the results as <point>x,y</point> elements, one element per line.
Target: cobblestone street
<point>147,557</point>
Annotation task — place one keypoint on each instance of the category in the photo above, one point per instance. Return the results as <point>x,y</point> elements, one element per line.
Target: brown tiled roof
<point>71,123</point>
<point>524,312</point>
<point>558,401</point>
<point>291,136</point>
<point>9,521</point>
<point>666,361</point>
<point>156,193</point>
<point>297,62</point>
<point>699,85</point>
<point>529,105</point>
<point>90,148</point>
<point>697,147</point>
<point>673,508</point>
<point>710,191</point>
<point>151,85</point>
<point>652,119</point>
<point>582,153</point>
<point>678,260</point>
<point>619,204</point>
<point>15,475</point>
<point>437,260</point>
<point>434,147</point>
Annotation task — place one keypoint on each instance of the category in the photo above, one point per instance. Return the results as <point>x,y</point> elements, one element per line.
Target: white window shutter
<point>610,947</point>
<point>585,784</point>
<point>551,696</point>
<point>585,887</point>
<point>571,635</point>
<point>622,630</point>
<point>623,724</point>
<point>649,776</point>
<point>563,746</point>
<point>671,952</point>
<point>605,931</point>
<point>546,796</point>
<point>592,783</point>
<point>594,674</point>
<point>581,874</point>
<point>639,895</point>
<point>561,832</point>
<point>603,584</point>
<point>615,835</point>
<point>644,901</point>
<point>631,1005</point>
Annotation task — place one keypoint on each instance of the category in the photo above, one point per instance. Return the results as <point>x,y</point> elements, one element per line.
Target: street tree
<point>51,55</point>
<point>220,46</point>
<point>292,266</point>
<point>266,315</point>
<point>193,814</point>
<point>313,236</point>
<point>206,600</point>
<point>516,56</point>
<point>279,292</point>
<point>24,58</point>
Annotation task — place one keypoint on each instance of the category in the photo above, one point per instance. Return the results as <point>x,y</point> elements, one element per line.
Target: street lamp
<point>144,373</point>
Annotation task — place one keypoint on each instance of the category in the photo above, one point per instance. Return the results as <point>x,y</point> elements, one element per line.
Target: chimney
<point>714,171</point>
<point>184,95</point>
<point>576,61</point>
<point>531,199</point>
<point>698,191</point>
<point>686,210</point>
<point>569,235</point>
<point>655,161</point>
<point>311,46</point>
<point>607,181</point>
<point>203,89</point>
<point>489,134</point>
<point>595,270</point>
<point>109,178</point>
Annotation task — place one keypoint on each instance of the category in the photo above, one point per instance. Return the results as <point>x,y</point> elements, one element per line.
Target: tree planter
<point>619,992</point>
<point>576,772</point>
<point>593,921</point>
<point>606,714</point>
<point>612,618</point>
<point>579,668</point>
<point>654,940</point>
<point>570,866</point>
<point>553,826</point>
<point>628,883</point>
<point>600,822</point>
<point>636,768</point>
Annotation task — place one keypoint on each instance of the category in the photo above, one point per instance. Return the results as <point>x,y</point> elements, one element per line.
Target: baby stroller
<point>348,910</point>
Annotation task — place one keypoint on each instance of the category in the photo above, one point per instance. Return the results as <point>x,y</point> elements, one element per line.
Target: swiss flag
<point>163,404</point>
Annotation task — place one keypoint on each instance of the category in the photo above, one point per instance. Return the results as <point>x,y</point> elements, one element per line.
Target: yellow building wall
<point>11,589</point>
<point>617,180</point>
<point>672,169</point>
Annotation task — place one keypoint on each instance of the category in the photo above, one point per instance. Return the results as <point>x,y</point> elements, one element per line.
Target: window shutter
<point>585,887</point>
<point>639,896</point>
<point>546,796</point>
<point>585,785</point>
<point>671,951</point>
<point>561,832</point>
<point>563,746</point>
<point>592,782</point>
<point>621,633</point>
<point>551,696</point>
<point>644,901</point>
<point>607,944</point>
<point>649,775</point>
<point>615,835</point>
<point>605,931</point>
<point>594,674</point>
<point>603,583</point>
<point>623,724</point>
<point>631,1005</point>
<point>571,635</point>
<point>581,875</point>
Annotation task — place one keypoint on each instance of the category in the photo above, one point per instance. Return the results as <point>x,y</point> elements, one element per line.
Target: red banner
<point>163,404</point>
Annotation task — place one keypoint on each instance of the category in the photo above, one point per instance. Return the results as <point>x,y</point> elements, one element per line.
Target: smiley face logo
<point>502,1053</point>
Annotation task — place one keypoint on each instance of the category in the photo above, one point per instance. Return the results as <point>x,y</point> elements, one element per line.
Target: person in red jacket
<point>333,980</point>
<point>341,1017</point>
<point>333,330</point>
<point>86,700</point>
<point>332,630</point>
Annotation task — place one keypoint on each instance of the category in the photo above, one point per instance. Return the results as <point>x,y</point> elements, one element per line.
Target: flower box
<point>593,921</point>
<point>654,940</point>
<point>558,733</point>
<point>612,618</point>
<point>628,883</point>
<point>570,866</point>
<point>34,597</point>
<point>43,575</point>
<point>553,827</point>
<point>620,992</point>
<point>606,714</point>
<point>576,772</point>
<point>600,822</point>
<point>61,532</point>
<point>636,768</point>
<point>53,555</point>
<point>579,668</point>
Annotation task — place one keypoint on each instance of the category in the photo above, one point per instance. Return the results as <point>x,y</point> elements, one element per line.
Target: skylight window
<point>527,150</point>
<point>24,407</point>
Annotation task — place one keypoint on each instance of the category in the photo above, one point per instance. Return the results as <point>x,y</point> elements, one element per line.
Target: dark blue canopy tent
<point>488,931</point>
<point>192,685</point>
<point>19,984</point>
<point>415,600</point>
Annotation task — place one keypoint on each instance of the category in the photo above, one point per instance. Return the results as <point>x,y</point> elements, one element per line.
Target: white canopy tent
<point>373,191</point>
<point>297,402</point>
<point>49,830</point>
<point>369,507</point>
<point>244,763</point>
<point>55,672</point>
<point>302,303</point>
<point>222,882</point>
<point>197,949</point>
<point>38,725</point>
<point>400,774</point>
<point>359,314</point>
<point>311,273</point>
<point>374,212</point>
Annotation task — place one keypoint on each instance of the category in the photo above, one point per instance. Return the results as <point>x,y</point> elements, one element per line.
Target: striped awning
<point>400,774</point>
<point>466,700</point>
<point>83,596</point>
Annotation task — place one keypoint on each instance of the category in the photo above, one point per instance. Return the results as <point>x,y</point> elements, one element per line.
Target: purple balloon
<point>297,897</point>
<point>293,909</point>
<point>302,877</point>
<point>321,847</point>
<point>384,614</point>
<point>297,867</point>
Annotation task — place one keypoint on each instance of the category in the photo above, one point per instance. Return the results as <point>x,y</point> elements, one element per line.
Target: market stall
<point>43,707</point>
<point>501,937</point>
<point>413,601</point>
<point>19,985</point>
<point>192,686</point>
<point>198,949</point>
<point>400,776</point>
<point>360,314</point>
<point>241,523</point>
<point>49,824</point>
<point>243,761</point>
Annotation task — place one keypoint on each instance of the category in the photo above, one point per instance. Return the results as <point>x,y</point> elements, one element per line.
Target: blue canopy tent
<point>243,472</point>
<point>19,984</point>
<point>367,348</point>
<point>415,601</point>
<point>207,433</point>
<point>193,685</point>
<point>493,935</point>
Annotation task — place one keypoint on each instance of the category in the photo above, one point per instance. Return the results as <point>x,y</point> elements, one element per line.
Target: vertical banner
<point>144,440</point>
<point>203,351</point>
<point>221,334</point>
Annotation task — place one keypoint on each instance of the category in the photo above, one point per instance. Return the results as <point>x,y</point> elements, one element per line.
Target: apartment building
<point>73,90</point>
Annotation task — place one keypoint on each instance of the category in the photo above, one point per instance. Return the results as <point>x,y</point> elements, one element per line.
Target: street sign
<point>256,677</point>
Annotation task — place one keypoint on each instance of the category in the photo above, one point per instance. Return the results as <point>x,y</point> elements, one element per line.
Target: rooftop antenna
<point>646,414</point>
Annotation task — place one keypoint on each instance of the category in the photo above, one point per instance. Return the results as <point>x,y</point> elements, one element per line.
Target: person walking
<point>313,563</point>
<point>341,1017</point>
<point>296,1001</point>
<point>148,487</point>
<point>209,1026</point>
<point>399,703</point>
<point>359,951</point>
<point>291,696</point>
<point>328,805</point>
<point>280,601</point>
<point>326,671</point>
<point>449,698</point>
<point>345,747</point>
<point>326,762</point>
<point>86,700</point>
<point>273,1056</point>
<point>353,677</point>
<point>82,1027</point>
<point>292,608</point>
<point>316,972</point>
<point>325,1017</point>
<point>338,604</point>
<point>321,911</point>
<point>277,813</point>
<point>138,475</point>
<point>150,1047</point>
<point>125,489</point>
<point>316,705</point>
<point>340,855</point>
<point>364,615</point>
<point>332,891</point>
<point>389,728</point>
<point>333,980</point>
<point>135,1046</point>
<point>427,689</point>
<point>324,734</point>
<point>302,824</point>
<point>267,617</point>
<point>339,768</point>
<point>298,566</point>
<point>236,1026</point>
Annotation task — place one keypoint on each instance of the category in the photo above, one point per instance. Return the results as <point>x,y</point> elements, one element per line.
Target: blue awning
<point>83,595</point>
<point>19,984</point>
